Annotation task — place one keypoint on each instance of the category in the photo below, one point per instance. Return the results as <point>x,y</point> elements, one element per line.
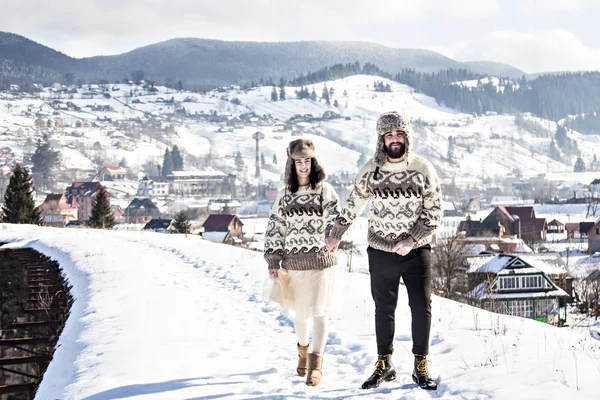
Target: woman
<point>297,255</point>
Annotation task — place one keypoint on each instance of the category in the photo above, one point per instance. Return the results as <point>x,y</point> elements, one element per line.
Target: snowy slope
<point>173,317</point>
<point>486,147</point>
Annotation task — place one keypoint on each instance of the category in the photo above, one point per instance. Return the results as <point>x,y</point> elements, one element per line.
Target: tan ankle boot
<point>315,361</point>
<point>302,355</point>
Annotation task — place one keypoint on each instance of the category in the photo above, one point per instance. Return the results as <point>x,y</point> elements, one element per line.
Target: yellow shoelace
<point>422,367</point>
<point>380,366</point>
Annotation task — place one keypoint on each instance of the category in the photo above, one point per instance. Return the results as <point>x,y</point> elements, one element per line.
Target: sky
<point>533,35</point>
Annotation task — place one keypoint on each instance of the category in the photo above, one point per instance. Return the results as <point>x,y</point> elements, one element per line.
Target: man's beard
<point>396,152</point>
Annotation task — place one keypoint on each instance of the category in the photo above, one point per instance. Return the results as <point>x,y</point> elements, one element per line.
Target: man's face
<point>395,144</point>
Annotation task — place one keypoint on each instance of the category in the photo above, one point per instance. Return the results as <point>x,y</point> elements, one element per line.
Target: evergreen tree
<point>313,95</point>
<point>123,163</point>
<point>239,161</point>
<point>181,223</point>
<point>325,94</point>
<point>274,96</point>
<point>450,154</point>
<point>19,207</point>
<point>44,159</point>
<point>579,165</point>
<point>282,93</point>
<point>335,103</point>
<point>177,159</point>
<point>167,168</point>
<point>274,158</point>
<point>102,217</point>
<point>362,159</point>
<point>554,153</point>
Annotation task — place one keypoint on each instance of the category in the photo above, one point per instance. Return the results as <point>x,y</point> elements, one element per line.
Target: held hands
<point>273,273</point>
<point>404,246</point>
<point>332,244</point>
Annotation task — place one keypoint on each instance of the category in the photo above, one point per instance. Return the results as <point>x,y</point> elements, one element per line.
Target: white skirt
<point>309,293</point>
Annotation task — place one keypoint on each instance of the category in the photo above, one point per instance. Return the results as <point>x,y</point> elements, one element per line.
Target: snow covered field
<point>173,317</point>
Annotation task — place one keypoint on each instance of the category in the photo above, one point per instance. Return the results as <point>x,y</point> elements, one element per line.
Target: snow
<point>175,317</point>
<point>490,146</point>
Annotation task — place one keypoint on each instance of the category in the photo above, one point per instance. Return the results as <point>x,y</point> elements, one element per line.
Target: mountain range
<point>205,63</point>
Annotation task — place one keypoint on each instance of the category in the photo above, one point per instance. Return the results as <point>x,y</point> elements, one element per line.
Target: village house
<point>223,228</point>
<point>140,211</point>
<point>504,220</point>
<point>594,238</point>
<point>154,186</point>
<point>203,183</point>
<point>84,193</point>
<point>163,225</point>
<point>555,226</point>
<point>58,210</point>
<point>112,173</point>
<point>519,285</point>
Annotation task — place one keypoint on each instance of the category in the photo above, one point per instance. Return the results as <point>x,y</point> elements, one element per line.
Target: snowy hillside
<point>483,146</point>
<point>173,317</point>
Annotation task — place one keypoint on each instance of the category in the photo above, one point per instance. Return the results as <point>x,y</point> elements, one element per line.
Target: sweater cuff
<point>273,263</point>
<point>420,231</point>
<point>337,231</point>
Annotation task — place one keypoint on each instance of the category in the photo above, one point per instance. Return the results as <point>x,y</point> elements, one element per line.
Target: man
<point>405,210</point>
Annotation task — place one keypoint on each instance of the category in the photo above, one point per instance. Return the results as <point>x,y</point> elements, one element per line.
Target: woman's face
<point>302,169</point>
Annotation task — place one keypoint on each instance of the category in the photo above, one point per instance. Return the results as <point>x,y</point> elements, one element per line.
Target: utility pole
<point>258,136</point>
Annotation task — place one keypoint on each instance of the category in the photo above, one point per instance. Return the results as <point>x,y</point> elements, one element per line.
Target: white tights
<point>319,334</point>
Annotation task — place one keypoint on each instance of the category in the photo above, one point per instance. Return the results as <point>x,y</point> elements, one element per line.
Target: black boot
<point>384,372</point>
<point>421,376</point>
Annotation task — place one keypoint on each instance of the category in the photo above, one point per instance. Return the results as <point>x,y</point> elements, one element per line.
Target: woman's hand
<point>273,273</point>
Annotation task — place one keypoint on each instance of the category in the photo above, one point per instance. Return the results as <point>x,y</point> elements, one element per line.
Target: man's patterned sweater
<point>405,202</point>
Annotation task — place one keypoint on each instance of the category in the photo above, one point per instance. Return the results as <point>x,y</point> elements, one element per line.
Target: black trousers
<point>386,269</point>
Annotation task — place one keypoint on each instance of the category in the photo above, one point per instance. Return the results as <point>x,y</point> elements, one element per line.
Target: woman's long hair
<point>317,175</point>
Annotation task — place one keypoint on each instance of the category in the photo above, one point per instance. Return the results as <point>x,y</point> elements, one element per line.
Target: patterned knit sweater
<point>298,225</point>
<point>405,202</point>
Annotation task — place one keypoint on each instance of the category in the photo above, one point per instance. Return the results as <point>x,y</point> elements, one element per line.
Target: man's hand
<point>332,244</point>
<point>404,246</point>
<point>273,273</point>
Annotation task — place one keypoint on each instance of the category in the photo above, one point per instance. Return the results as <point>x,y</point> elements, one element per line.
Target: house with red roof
<point>58,210</point>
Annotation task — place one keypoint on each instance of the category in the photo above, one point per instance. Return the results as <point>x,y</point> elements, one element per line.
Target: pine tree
<point>274,96</point>
<point>325,94</point>
<point>274,158</point>
<point>450,155</point>
<point>335,103</point>
<point>313,95</point>
<point>44,159</point>
<point>362,159</point>
<point>123,163</point>
<point>579,165</point>
<point>167,168</point>
<point>282,93</point>
<point>177,159</point>
<point>239,162</point>
<point>19,207</point>
<point>181,223</point>
<point>102,217</point>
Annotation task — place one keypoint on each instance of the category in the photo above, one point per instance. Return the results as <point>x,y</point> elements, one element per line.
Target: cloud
<point>93,27</point>
<point>538,51</point>
<point>575,7</point>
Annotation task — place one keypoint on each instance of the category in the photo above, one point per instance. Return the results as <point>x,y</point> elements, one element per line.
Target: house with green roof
<point>517,285</point>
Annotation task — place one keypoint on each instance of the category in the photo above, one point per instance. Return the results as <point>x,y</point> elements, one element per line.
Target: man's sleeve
<point>275,234</point>
<point>431,214</point>
<point>356,201</point>
<point>331,207</point>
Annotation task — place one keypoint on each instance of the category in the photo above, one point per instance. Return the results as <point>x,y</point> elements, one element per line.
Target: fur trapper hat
<point>302,148</point>
<point>387,122</point>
